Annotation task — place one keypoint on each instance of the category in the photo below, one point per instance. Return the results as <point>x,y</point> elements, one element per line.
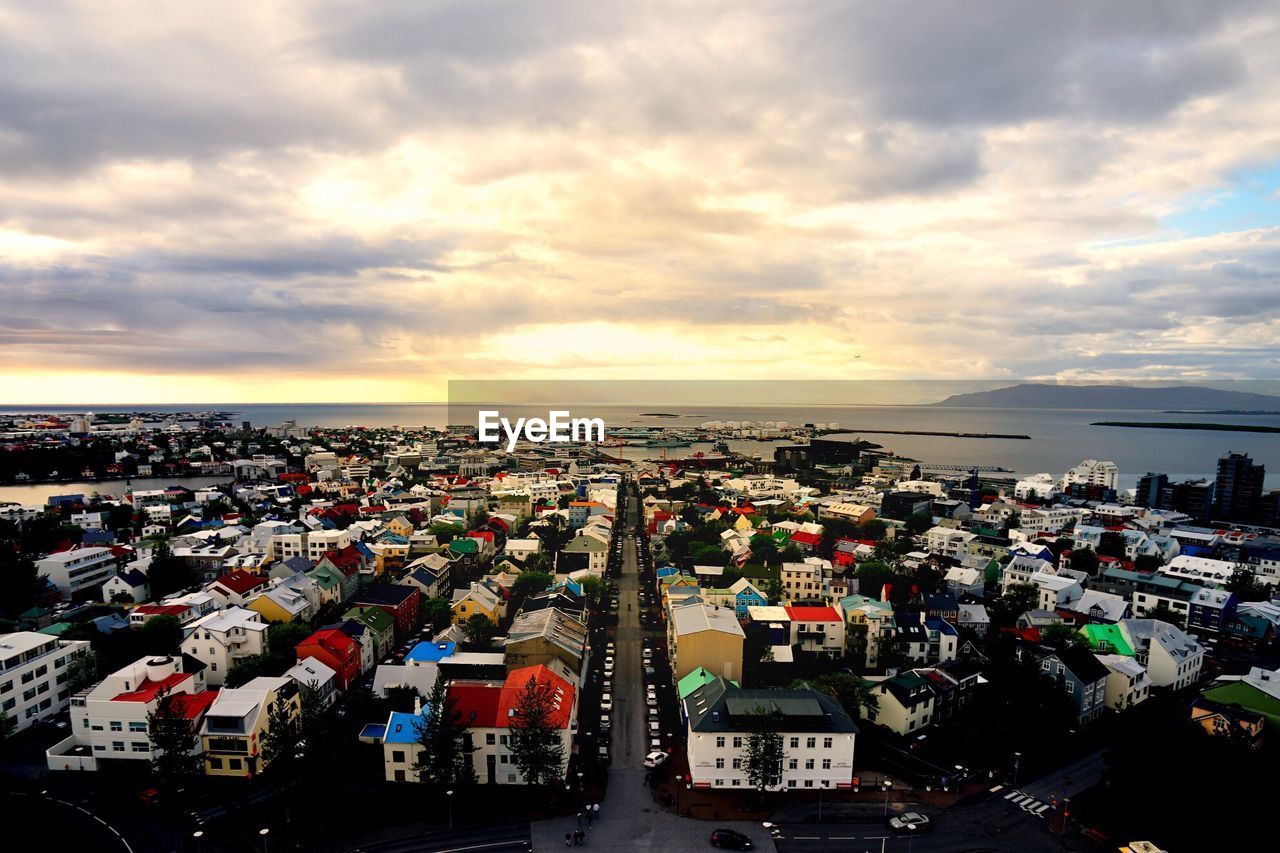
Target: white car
<point>655,759</point>
<point>651,701</point>
<point>654,728</point>
<point>909,822</point>
<point>606,702</point>
<point>648,653</point>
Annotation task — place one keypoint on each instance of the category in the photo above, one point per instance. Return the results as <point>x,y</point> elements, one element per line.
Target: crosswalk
<point>1027,803</point>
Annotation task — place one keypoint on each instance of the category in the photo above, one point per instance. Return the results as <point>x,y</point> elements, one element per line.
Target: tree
<point>161,635</point>
<point>1061,637</point>
<point>592,590</point>
<point>1017,599</point>
<point>284,741</point>
<point>1165,613</point>
<point>1246,586</point>
<point>853,693</point>
<point>174,758</point>
<point>1084,560</point>
<point>82,671</point>
<point>530,583</point>
<point>479,630</point>
<point>872,576</point>
<point>437,611</point>
<point>445,757</point>
<point>167,573</point>
<point>919,522</point>
<point>7,724</point>
<point>763,754</point>
<point>536,747</point>
<point>21,580</point>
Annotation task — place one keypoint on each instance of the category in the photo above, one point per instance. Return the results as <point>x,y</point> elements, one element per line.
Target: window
<point>140,747</point>
<point>826,764</point>
<point>28,695</point>
<point>215,763</point>
<point>397,755</point>
<point>504,759</point>
<point>795,743</point>
<point>1071,687</point>
<point>502,739</point>
<point>117,726</point>
<point>233,764</point>
<point>808,764</point>
<point>737,743</point>
<point>117,746</point>
<point>719,763</point>
<point>810,743</point>
<point>808,783</point>
<point>791,783</point>
<point>719,743</point>
<point>793,763</point>
<point>737,764</point>
<point>490,738</point>
<point>826,743</point>
<point>1044,665</point>
<point>6,686</point>
<point>399,775</point>
<point>737,782</point>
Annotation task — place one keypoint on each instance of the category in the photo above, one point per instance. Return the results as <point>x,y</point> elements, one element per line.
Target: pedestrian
<point>590,815</point>
<point>596,807</point>
<point>579,820</point>
<point>579,837</point>
<point>568,839</point>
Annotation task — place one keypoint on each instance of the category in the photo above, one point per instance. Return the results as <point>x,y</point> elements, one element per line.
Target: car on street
<point>909,822</point>
<point>651,701</point>
<point>729,839</point>
<point>606,702</point>
<point>654,728</point>
<point>607,687</point>
<point>604,722</point>
<point>655,759</point>
<point>648,670</point>
<point>648,655</point>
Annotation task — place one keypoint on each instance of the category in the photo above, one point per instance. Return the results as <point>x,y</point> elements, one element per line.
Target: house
<point>818,736</point>
<point>819,630</point>
<point>430,574</point>
<point>330,583</point>
<point>238,720</point>
<point>1127,681</point>
<point>1258,692</point>
<point>317,677</point>
<point>295,599</point>
<point>973,617</point>
<point>1231,721</point>
<point>1212,610</point>
<point>401,750</point>
<point>477,600</point>
<point>905,704</point>
<point>1172,657</point>
<point>948,542</point>
<point>380,625</point>
<point>538,637</point>
<point>963,581</point>
<point>700,635</point>
<point>583,551</point>
<point>236,587</point>
<point>144,613</point>
<point>870,628</point>
<point>740,595</point>
<point>399,600</point>
<point>109,720</point>
<point>33,673</point>
<point>1100,606</point>
<point>130,584</point>
<point>1077,673</point>
<point>222,639</point>
<point>336,650</point>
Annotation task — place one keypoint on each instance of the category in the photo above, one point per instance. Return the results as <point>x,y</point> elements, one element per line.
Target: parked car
<point>606,702</point>
<point>909,822</point>
<point>729,839</point>
<point>648,670</point>
<point>655,759</point>
<point>651,701</point>
<point>604,722</point>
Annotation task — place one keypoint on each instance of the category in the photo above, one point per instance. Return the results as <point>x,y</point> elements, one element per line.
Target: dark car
<point>730,839</point>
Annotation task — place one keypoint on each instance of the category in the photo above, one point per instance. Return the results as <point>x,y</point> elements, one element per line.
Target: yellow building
<point>479,600</point>
<point>234,727</point>
<point>702,635</point>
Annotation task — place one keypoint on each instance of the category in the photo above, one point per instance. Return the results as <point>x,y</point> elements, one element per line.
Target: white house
<point>221,640</point>
<point>33,675</point>
<point>78,572</point>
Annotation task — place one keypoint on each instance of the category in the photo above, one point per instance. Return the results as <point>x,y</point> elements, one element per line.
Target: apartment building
<point>33,675</point>
<point>79,572</point>
<point>221,640</point>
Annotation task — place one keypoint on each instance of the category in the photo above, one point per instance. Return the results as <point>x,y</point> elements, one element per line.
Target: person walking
<point>596,809</point>
<point>568,839</point>
<point>579,820</point>
<point>590,815</point>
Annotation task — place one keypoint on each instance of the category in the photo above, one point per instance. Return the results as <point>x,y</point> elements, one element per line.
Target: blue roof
<point>373,731</point>
<point>668,570</point>
<point>942,626</point>
<point>430,652</point>
<point>402,728</point>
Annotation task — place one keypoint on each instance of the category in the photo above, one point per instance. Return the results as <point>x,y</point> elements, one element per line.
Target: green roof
<point>1111,636</point>
<point>695,679</point>
<point>464,546</point>
<point>1247,696</point>
<point>57,629</point>
<point>375,617</point>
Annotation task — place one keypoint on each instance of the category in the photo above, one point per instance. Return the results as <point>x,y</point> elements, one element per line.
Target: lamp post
<point>580,788</point>
<point>1017,762</point>
<point>449,796</point>
<point>197,835</point>
<point>263,833</point>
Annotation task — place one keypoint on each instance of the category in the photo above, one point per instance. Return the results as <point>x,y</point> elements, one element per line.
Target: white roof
<point>696,618</point>
<point>310,670</point>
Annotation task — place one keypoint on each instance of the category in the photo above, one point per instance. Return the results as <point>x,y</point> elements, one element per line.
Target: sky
<point>359,201</point>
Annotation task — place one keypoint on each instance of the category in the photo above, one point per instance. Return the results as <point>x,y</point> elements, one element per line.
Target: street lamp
<point>197,835</point>
<point>1017,761</point>
<point>264,832</point>
<point>580,780</point>
<point>449,796</point>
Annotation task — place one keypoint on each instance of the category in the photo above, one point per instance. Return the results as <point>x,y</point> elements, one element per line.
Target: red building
<point>401,601</point>
<point>334,649</point>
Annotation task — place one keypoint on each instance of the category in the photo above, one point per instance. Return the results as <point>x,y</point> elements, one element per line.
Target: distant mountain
<point>1044,396</point>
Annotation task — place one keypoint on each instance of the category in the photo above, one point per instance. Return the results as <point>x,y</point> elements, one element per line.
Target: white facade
<point>313,544</point>
<point>33,675</point>
<point>220,640</point>
<point>948,541</point>
<point>1091,472</point>
<point>78,571</point>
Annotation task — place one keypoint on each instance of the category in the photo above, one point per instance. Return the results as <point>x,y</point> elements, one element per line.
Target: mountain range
<point>1047,396</point>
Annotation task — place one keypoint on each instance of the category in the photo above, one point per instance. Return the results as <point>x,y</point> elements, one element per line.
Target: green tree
<point>284,742</point>
<point>1246,586</point>
<point>168,574</point>
<point>592,590</point>
<point>82,671</point>
<point>853,693</point>
<point>20,579</point>
<point>1165,613</point>
<point>1061,637</point>
<point>174,757</point>
<point>763,754</point>
<point>919,522</point>
<point>445,757</point>
<point>437,612</point>
<point>161,635</point>
<point>1017,599</point>
<point>7,725</point>
<point>1084,560</point>
<point>536,747</point>
<point>479,629</point>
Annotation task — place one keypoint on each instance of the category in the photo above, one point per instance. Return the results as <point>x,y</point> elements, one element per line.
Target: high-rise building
<point>1091,472</point>
<point>1193,497</point>
<point>1150,487</point>
<point>1238,491</point>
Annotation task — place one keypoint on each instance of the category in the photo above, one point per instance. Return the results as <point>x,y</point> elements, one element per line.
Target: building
<point>543,637</point>
<point>906,704</point>
<point>399,600</point>
<point>1127,681</point>
<point>78,573</point>
<point>312,544</point>
<point>701,635</point>
<point>34,671</point>
<point>819,630</point>
<point>1258,691</point>
<point>223,639</point>
<point>238,720</point>
<point>109,720</point>
<point>1077,673</point>
<point>335,650</point>
<point>1091,472</point>
<point>1231,721</point>
<point>818,737</point>
<point>236,587</point>
<point>1172,657</point>
<point>948,542</point>
<point>1238,488</point>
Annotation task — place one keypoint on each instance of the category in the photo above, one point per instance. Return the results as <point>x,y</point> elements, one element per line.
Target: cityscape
<point>796,426</point>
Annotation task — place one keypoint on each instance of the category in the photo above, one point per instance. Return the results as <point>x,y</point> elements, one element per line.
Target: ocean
<point>1060,438</point>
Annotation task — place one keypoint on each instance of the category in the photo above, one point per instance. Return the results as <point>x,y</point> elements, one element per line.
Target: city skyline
<point>359,202</point>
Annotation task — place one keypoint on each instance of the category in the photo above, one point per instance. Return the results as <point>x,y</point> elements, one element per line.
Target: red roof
<point>806,538</point>
<point>162,609</point>
<point>346,560</point>
<point>489,705</point>
<point>332,640</point>
<point>476,703</point>
<point>486,535</point>
<point>148,690</point>
<point>240,581</point>
<point>813,614</point>
<point>192,705</point>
